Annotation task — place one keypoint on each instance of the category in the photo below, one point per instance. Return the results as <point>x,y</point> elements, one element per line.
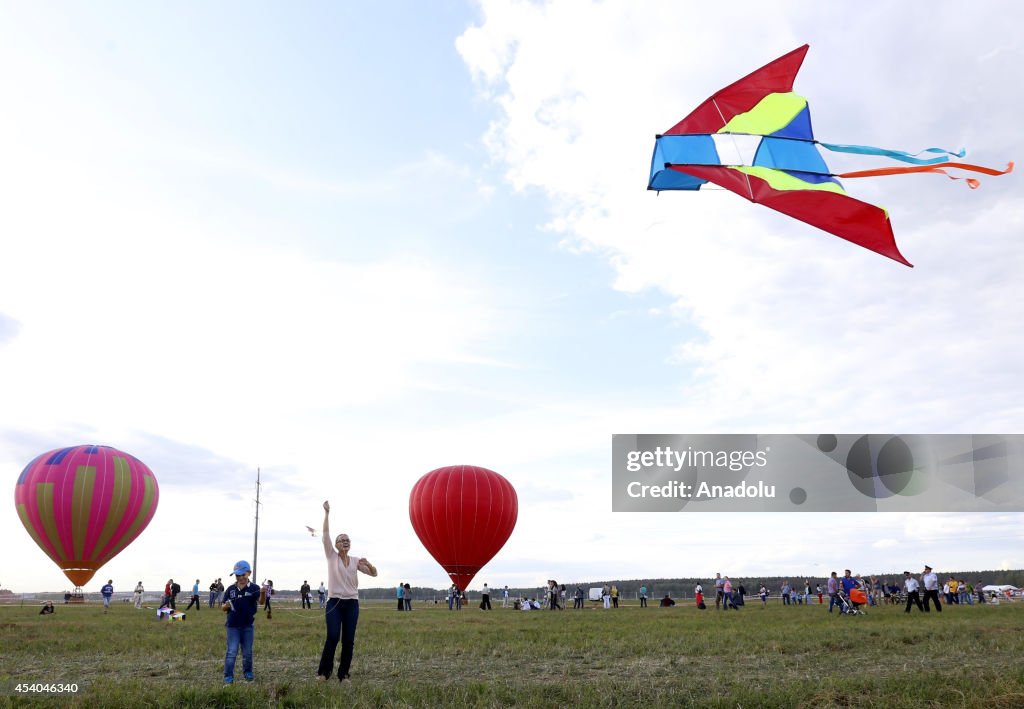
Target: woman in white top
<point>342,612</point>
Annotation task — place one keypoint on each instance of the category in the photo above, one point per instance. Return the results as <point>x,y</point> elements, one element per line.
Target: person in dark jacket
<point>241,600</point>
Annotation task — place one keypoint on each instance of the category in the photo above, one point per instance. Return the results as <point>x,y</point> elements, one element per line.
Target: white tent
<point>1001,591</point>
<point>1001,588</point>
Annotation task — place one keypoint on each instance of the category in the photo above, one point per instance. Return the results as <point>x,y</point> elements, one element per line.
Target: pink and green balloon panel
<point>83,505</point>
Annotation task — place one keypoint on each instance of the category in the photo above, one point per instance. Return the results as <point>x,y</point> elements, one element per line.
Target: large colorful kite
<point>787,172</point>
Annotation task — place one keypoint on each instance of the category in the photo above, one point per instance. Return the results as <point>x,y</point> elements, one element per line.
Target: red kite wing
<point>848,218</point>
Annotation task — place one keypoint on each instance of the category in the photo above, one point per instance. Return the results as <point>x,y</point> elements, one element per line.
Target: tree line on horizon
<point>656,588</point>
<point>683,587</point>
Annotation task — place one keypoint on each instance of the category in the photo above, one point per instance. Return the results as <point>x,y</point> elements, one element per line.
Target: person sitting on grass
<point>47,608</point>
<point>666,602</point>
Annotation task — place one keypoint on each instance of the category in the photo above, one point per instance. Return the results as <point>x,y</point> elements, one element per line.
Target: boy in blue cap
<point>240,603</point>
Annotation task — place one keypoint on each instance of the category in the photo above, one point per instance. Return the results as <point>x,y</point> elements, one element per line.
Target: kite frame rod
<point>830,146</point>
<point>731,132</point>
<point>670,165</point>
<point>750,189</point>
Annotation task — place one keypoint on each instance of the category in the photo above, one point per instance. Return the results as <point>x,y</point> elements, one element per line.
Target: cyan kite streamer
<point>896,154</point>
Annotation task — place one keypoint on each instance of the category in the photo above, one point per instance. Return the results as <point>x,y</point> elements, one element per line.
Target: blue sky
<point>351,243</point>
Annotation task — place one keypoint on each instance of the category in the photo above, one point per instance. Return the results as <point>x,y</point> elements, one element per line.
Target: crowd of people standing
<point>924,591</point>
<point>850,591</point>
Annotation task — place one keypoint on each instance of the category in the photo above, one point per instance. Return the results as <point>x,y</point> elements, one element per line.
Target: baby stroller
<point>852,605</point>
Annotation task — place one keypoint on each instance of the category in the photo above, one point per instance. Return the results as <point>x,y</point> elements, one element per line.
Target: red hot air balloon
<point>85,504</point>
<point>463,515</point>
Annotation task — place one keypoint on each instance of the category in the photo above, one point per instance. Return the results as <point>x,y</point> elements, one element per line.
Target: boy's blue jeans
<point>238,637</point>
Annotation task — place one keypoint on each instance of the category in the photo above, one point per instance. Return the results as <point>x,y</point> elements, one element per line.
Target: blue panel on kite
<point>685,150</point>
<point>799,127</point>
<point>812,177</point>
<point>672,180</point>
<point>787,154</point>
<point>680,150</point>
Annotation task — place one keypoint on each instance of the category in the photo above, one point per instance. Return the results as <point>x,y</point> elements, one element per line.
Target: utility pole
<point>256,538</point>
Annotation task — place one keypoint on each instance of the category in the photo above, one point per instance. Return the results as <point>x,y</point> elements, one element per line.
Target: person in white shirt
<point>910,585</point>
<point>930,581</point>
<point>342,612</point>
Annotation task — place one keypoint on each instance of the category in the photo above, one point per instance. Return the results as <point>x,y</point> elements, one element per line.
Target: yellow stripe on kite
<point>772,113</point>
<point>780,180</point>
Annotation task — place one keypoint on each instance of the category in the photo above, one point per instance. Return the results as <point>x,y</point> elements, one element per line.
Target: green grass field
<point>778,657</point>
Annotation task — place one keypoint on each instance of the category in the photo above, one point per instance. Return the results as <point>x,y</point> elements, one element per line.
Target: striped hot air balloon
<point>83,505</point>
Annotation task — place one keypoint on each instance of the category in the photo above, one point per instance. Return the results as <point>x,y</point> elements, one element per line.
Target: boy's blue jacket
<point>245,602</point>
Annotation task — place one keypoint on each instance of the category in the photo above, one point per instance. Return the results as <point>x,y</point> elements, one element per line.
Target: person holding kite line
<point>342,612</point>
<point>240,604</point>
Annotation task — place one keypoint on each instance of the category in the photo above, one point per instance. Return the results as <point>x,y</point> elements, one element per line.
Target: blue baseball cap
<point>241,567</point>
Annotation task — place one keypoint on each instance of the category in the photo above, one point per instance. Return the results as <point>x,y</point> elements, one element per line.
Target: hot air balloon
<point>463,515</point>
<point>83,505</point>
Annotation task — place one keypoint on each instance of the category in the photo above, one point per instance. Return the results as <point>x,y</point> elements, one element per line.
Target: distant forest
<point>683,588</point>
<point>629,588</point>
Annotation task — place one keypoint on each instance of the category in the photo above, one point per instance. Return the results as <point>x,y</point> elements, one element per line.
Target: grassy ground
<point>780,657</point>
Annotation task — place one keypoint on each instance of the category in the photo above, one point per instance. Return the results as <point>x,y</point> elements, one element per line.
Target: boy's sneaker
<point>229,680</point>
<point>249,677</point>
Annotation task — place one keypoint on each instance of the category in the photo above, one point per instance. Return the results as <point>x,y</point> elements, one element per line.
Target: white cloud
<point>801,330</point>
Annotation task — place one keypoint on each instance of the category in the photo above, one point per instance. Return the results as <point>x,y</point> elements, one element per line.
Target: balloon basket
<point>77,596</point>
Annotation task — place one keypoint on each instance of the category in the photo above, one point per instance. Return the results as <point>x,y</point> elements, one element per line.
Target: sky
<point>346,244</point>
